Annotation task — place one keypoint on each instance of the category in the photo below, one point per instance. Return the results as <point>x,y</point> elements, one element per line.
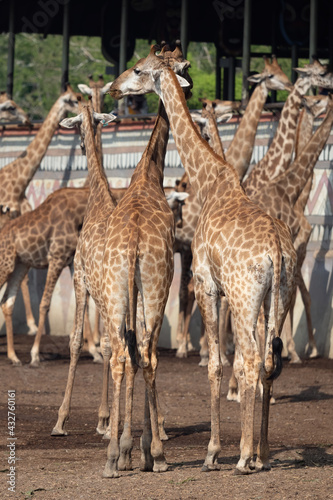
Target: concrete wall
<point>123,145</point>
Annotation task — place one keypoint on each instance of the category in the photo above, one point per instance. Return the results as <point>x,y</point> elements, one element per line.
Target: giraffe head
<point>272,75</point>
<point>208,113</point>
<point>10,111</point>
<point>316,104</point>
<point>220,108</point>
<point>99,88</point>
<point>176,61</point>
<point>78,121</point>
<point>143,77</point>
<point>176,200</point>
<point>68,100</point>
<point>317,74</point>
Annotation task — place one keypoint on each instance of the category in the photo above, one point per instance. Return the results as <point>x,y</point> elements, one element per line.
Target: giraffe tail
<point>277,344</point>
<point>130,335</point>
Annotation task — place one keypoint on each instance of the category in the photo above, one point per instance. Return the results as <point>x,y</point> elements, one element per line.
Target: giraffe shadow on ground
<point>298,458</point>
<point>311,393</point>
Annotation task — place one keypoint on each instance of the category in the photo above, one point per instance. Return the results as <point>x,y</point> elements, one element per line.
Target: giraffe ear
<point>85,89</point>
<point>224,118</point>
<point>7,105</point>
<point>105,118</point>
<point>182,82</point>
<point>71,122</point>
<point>106,88</point>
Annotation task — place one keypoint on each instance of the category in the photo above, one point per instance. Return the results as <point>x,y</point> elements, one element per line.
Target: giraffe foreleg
<point>76,343</point>
<point>103,426</point>
<point>117,364</point>
<point>7,304</point>
<point>206,296</point>
<point>27,306</point>
<point>126,440</point>
<point>185,287</point>
<point>53,273</point>
<point>247,365</point>
<point>156,446</point>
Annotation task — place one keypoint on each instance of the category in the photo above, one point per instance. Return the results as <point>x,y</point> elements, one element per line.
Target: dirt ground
<point>301,432</point>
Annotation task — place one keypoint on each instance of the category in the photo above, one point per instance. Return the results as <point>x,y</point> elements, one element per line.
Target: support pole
<point>218,72</point>
<point>246,50</point>
<point>122,49</point>
<point>294,62</point>
<point>11,49</point>
<point>231,78</point>
<point>184,27</point>
<point>313,28</point>
<point>65,47</point>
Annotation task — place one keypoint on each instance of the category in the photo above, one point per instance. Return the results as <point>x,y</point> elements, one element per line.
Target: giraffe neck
<point>97,105</point>
<point>214,136</point>
<point>201,163</point>
<point>155,150</point>
<point>304,130</point>
<point>100,193</point>
<point>279,154</point>
<point>25,166</point>
<point>240,150</point>
<point>298,174</point>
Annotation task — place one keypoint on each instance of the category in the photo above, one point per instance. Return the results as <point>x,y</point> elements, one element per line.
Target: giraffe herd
<point>242,238</point>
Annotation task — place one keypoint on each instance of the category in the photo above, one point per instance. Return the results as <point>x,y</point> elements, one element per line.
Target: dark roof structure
<point>292,28</point>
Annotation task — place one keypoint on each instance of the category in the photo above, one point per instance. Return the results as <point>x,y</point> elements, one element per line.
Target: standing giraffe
<point>15,177</point>
<point>184,237</point>
<point>238,154</point>
<point>138,232</point>
<point>238,250</point>
<point>278,199</point>
<point>96,90</point>
<point>10,111</point>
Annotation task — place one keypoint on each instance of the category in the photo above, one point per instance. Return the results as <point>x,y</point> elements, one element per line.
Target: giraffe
<point>97,91</point>
<point>233,230</point>
<point>278,199</point>
<point>15,177</point>
<point>10,111</point>
<point>183,244</point>
<point>279,155</point>
<point>314,106</point>
<point>281,196</point>
<point>146,183</point>
<point>43,238</point>
<point>238,154</point>
<point>145,207</point>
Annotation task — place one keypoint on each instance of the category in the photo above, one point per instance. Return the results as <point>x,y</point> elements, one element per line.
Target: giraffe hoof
<point>210,467</point>
<point>242,471</point>
<point>35,363</point>
<point>16,362</point>
<point>204,361</point>
<point>56,432</point>
<point>160,466</point>
<point>181,354</point>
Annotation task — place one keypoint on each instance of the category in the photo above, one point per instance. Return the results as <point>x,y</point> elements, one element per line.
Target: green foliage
<point>37,73</point>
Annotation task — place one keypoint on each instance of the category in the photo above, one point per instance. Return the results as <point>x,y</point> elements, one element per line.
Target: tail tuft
<point>277,346</point>
<point>130,339</point>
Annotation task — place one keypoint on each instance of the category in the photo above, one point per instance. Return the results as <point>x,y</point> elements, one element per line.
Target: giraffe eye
<point>137,71</point>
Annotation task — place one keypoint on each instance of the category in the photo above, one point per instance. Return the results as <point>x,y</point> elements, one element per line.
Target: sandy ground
<point>301,432</point>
